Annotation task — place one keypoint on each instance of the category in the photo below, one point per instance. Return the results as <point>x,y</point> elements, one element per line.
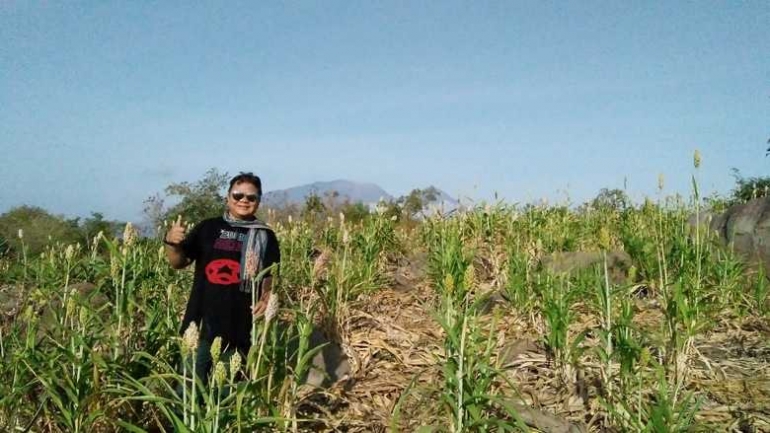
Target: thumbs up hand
<point>176,233</point>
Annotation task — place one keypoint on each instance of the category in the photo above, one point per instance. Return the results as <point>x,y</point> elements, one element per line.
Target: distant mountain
<point>367,193</point>
<point>355,192</point>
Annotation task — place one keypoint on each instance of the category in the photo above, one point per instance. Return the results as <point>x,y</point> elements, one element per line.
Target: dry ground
<point>396,346</point>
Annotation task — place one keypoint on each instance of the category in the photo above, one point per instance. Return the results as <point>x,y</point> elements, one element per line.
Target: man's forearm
<point>176,257</point>
<point>267,286</point>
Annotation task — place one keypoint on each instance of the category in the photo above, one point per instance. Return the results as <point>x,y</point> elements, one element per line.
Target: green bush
<point>38,227</point>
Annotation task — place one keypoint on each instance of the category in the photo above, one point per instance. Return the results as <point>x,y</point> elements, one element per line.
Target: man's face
<point>243,200</point>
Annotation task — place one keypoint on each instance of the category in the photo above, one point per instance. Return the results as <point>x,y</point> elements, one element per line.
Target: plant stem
<point>608,325</point>
<point>184,390</point>
<point>460,378</point>
<point>193,403</point>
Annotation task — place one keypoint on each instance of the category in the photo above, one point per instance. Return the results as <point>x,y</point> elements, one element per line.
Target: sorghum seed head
<point>469,278</point>
<point>129,234</point>
<point>83,316</point>
<point>216,349</point>
<point>252,264</point>
<point>272,306</point>
<point>191,337</point>
<point>696,158</point>
<point>449,283</point>
<point>235,364</point>
<point>220,374</point>
<point>72,305</point>
<point>345,236</point>
<point>69,252</point>
<point>99,237</point>
<point>114,267</point>
<point>320,264</point>
<point>604,238</point>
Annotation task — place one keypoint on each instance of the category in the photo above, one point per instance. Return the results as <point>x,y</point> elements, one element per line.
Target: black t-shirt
<point>216,303</point>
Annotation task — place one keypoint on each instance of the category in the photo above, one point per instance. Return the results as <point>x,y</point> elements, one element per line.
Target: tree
<point>614,199</point>
<point>354,212</point>
<point>194,201</point>
<point>414,202</point>
<point>331,200</point>
<point>314,206</point>
<point>749,188</point>
<point>390,209</point>
<point>154,210</point>
<point>91,226</point>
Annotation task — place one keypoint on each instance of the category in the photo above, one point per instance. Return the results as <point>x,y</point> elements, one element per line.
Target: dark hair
<point>246,177</point>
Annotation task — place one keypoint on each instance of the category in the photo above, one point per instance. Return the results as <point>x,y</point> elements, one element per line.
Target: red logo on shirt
<point>223,271</point>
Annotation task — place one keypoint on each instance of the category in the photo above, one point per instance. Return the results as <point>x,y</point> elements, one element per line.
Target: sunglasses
<point>238,196</point>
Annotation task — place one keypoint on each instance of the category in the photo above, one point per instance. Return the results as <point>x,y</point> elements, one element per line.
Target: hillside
<point>347,190</point>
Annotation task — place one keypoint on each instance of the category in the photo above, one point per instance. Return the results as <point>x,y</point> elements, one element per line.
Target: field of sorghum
<point>449,324</point>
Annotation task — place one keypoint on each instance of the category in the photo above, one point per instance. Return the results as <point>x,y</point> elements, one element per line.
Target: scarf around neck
<point>253,248</point>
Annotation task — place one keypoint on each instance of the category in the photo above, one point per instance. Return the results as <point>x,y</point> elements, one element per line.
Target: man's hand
<point>259,308</point>
<point>176,233</point>
<point>174,252</point>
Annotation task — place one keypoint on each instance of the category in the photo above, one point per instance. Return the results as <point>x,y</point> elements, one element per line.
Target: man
<point>229,253</point>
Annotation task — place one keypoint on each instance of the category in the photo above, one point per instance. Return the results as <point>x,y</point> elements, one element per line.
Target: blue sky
<point>104,103</point>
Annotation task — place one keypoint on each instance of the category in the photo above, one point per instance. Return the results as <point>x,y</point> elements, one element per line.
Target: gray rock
<point>618,263</point>
<point>745,228</point>
<point>14,299</point>
<point>329,365</point>
<point>490,300</point>
<point>11,300</point>
<point>515,349</point>
<point>85,294</point>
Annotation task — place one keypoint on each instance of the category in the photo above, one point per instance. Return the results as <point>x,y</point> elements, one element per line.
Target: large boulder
<point>84,294</point>
<point>24,306</point>
<point>745,228</point>
<point>618,263</point>
<point>11,302</point>
<point>329,365</point>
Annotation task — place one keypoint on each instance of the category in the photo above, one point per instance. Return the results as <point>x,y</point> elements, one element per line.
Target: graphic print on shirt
<point>223,271</point>
<point>229,240</point>
<point>226,271</point>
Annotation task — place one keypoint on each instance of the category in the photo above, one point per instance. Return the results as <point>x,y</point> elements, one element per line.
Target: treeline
<point>205,198</point>
<point>34,227</point>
